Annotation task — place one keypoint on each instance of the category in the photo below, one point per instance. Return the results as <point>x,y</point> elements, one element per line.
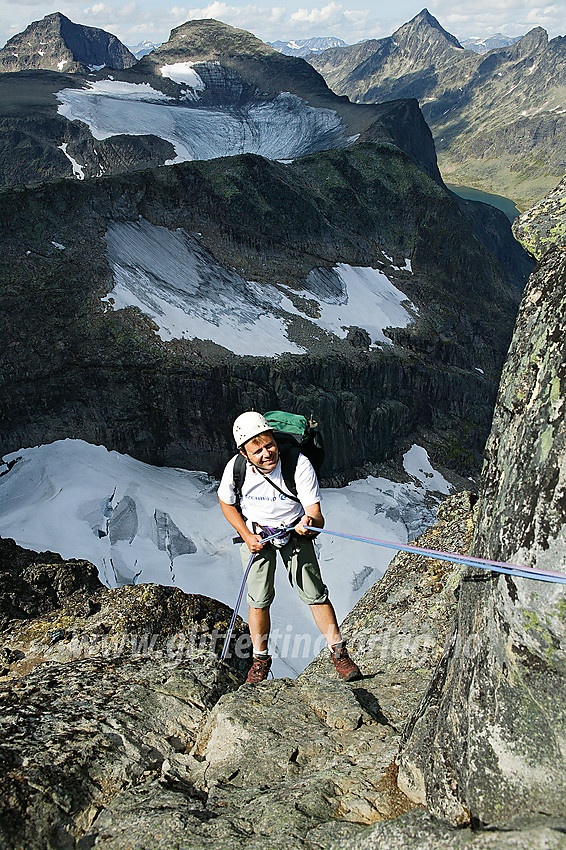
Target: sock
<point>336,647</point>
<point>262,656</point>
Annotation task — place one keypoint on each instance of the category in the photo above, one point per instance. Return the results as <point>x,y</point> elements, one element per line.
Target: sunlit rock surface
<point>543,226</point>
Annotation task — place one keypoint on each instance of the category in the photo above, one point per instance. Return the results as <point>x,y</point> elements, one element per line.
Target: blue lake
<point>506,205</point>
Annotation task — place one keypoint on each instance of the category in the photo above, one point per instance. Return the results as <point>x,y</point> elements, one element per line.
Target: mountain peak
<point>55,43</point>
<point>534,39</point>
<point>422,23</point>
<point>207,38</point>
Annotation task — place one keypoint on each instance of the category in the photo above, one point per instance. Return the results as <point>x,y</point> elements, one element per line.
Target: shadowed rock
<point>57,44</point>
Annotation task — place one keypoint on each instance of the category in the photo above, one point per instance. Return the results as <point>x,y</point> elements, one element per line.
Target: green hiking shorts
<point>301,562</point>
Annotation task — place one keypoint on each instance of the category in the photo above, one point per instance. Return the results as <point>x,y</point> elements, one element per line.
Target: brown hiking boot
<point>345,667</point>
<point>259,670</point>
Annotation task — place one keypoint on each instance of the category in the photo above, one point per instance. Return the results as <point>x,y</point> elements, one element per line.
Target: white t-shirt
<point>262,503</point>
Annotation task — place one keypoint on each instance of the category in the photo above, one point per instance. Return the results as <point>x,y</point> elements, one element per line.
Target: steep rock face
<point>488,739</point>
<point>497,118</point>
<point>106,376</point>
<point>57,44</point>
<point>544,225</point>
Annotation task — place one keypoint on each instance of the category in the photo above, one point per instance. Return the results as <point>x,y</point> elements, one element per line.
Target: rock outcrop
<point>488,739</point>
<point>543,226</point>
<point>419,829</point>
<point>108,744</point>
<point>497,119</point>
<point>57,44</point>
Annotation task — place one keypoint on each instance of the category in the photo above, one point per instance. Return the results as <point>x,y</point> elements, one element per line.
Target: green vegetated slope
<point>497,119</point>
<point>71,366</point>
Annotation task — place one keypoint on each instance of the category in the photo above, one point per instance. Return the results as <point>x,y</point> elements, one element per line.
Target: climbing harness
<point>452,557</point>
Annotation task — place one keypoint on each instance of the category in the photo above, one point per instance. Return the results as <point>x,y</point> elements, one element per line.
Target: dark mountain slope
<point>72,366</point>
<point>57,44</point>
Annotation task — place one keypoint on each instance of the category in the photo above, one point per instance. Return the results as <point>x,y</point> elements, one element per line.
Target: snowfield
<point>282,128</point>
<point>140,523</point>
<point>169,276</point>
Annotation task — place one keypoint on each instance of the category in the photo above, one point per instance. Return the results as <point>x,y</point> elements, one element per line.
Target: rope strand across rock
<point>453,557</point>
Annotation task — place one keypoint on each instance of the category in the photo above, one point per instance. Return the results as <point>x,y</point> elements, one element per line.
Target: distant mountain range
<point>482,45</point>
<point>211,90</point>
<point>142,48</point>
<point>57,44</point>
<point>304,46</point>
<point>498,120</point>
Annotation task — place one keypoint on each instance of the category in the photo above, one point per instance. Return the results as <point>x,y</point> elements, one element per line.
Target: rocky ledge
<point>119,724</point>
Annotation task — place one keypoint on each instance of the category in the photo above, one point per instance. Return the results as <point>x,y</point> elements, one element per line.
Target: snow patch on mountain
<point>285,127</point>
<point>183,72</point>
<point>170,277</point>
<point>77,168</point>
<point>417,464</point>
<point>140,523</point>
<point>362,297</point>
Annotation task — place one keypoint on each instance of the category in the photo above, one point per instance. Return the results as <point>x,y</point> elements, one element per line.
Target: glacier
<point>282,128</point>
<point>173,279</point>
<point>138,523</point>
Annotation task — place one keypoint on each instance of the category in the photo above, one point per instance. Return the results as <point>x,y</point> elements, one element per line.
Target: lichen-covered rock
<point>75,735</point>
<point>488,739</point>
<point>543,226</point>
<point>52,610</point>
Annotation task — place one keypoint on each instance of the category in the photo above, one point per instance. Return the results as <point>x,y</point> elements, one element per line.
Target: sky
<point>353,20</point>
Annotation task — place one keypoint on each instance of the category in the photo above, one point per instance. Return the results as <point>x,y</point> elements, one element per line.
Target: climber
<point>265,504</point>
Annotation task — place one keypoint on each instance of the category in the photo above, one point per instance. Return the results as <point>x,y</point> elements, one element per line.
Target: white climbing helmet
<point>249,425</point>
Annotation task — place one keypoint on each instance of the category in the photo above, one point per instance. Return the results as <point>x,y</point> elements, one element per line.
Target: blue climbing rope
<point>456,558</point>
<point>452,557</point>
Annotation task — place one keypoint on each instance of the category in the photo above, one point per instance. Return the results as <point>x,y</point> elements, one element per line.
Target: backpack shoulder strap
<point>289,457</point>
<point>239,475</point>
